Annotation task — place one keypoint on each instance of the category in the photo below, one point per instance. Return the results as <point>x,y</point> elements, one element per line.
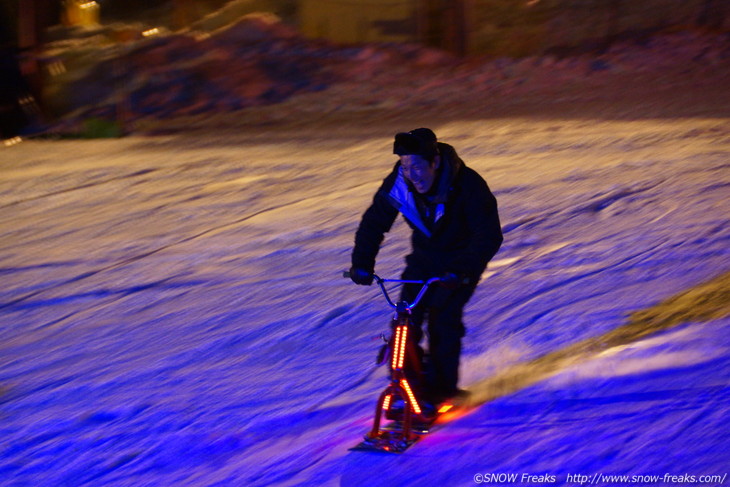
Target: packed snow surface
<point>172,310</point>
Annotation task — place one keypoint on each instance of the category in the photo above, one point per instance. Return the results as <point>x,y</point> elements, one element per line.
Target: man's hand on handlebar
<point>365,278</point>
<point>450,281</point>
<point>361,276</point>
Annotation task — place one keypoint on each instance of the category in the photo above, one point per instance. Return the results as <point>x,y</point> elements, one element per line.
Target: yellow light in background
<point>12,141</point>
<point>82,13</point>
<point>56,68</point>
<point>151,32</point>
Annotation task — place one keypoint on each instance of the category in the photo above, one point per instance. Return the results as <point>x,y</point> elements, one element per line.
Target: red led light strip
<point>411,397</point>
<point>402,346</point>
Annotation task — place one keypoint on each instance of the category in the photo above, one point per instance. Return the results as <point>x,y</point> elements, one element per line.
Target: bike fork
<point>399,386</point>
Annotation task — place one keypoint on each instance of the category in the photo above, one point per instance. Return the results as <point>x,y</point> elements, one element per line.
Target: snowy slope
<point>172,311</point>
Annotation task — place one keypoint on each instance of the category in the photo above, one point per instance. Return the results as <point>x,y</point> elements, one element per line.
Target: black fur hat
<point>420,142</point>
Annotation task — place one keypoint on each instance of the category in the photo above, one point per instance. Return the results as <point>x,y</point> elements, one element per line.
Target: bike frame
<point>403,356</point>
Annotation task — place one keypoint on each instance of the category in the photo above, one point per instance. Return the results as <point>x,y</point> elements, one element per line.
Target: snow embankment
<point>257,60</point>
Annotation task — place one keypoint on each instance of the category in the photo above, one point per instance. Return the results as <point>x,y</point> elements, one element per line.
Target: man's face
<point>419,171</point>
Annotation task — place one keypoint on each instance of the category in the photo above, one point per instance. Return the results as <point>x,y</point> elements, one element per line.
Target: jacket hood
<point>451,165</point>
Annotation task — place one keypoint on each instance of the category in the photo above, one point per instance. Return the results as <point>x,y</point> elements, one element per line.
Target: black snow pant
<point>442,308</point>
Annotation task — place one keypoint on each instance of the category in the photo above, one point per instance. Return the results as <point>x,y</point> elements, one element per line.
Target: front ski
<point>387,441</point>
<point>418,428</point>
<point>390,437</point>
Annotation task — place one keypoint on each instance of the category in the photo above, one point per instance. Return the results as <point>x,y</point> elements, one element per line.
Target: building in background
<point>513,28</point>
<point>81,12</point>
<point>22,34</point>
<point>350,22</point>
<point>438,23</point>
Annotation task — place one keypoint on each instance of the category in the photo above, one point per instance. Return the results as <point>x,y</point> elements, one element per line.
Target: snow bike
<point>400,401</point>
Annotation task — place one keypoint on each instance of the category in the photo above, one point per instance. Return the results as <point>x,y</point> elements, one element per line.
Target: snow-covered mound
<point>229,63</point>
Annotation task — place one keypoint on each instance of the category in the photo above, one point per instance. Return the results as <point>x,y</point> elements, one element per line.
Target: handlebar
<point>408,306</point>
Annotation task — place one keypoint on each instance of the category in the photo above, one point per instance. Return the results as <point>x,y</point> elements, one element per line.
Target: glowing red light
<point>445,408</point>
<point>411,397</point>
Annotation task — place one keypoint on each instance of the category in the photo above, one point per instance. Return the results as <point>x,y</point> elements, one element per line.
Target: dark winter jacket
<point>455,230</point>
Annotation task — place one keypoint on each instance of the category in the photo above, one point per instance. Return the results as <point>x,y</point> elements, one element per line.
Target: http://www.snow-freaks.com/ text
<point>597,479</point>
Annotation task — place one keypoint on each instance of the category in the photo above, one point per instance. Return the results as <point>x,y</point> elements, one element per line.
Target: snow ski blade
<point>386,442</point>
<point>416,428</point>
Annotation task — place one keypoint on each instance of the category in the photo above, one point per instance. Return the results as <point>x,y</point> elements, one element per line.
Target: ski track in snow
<point>173,311</point>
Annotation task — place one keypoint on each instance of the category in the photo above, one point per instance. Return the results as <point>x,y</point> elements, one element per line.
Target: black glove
<point>361,276</point>
<point>450,281</point>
